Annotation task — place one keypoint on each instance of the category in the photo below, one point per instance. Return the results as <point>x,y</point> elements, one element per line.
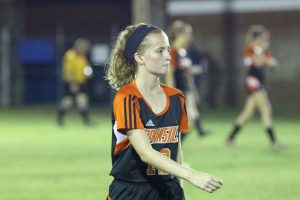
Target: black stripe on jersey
<point>185,110</point>
<point>130,114</point>
<point>134,114</point>
<point>125,113</point>
<point>181,95</point>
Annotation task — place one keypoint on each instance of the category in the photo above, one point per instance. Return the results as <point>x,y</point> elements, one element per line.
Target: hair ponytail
<point>120,71</point>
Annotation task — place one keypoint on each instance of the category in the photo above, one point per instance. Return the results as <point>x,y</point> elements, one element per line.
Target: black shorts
<point>67,90</point>
<point>167,190</point>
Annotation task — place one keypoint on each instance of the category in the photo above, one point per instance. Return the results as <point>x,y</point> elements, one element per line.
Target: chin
<point>162,73</point>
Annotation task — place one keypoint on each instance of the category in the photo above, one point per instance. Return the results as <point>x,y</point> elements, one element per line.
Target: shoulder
<point>248,50</point>
<point>171,91</point>
<point>173,51</point>
<point>126,91</point>
<point>70,54</point>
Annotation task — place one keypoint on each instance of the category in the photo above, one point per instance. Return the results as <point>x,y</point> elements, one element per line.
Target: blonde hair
<point>176,28</point>
<point>255,31</point>
<point>119,70</point>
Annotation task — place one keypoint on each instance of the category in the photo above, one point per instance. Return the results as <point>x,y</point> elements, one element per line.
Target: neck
<point>148,83</point>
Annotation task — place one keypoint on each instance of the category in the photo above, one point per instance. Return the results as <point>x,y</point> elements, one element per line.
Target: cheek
<point>154,58</point>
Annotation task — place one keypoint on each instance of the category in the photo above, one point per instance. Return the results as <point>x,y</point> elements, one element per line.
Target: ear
<point>138,59</point>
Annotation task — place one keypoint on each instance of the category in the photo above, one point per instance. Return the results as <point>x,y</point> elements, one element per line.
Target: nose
<point>168,56</point>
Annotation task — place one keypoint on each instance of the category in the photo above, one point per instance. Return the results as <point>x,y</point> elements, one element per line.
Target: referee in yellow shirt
<point>75,73</point>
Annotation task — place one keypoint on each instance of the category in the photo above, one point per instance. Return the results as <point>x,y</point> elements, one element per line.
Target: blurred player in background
<point>257,58</point>
<point>181,73</point>
<point>148,119</point>
<point>76,71</point>
<point>200,65</point>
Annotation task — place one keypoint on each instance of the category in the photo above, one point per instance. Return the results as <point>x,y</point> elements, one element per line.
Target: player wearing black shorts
<point>257,58</point>
<point>148,119</point>
<point>131,111</point>
<point>75,75</point>
<point>181,73</point>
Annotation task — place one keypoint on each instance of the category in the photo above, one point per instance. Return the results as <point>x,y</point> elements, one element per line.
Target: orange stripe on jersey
<point>121,146</point>
<point>125,113</point>
<point>130,112</point>
<point>135,103</point>
<point>130,106</point>
<point>109,198</point>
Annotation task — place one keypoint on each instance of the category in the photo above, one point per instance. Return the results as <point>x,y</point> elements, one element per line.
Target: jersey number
<point>152,171</point>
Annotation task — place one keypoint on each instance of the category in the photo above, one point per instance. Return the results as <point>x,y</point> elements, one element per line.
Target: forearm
<point>141,143</point>
<point>159,161</point>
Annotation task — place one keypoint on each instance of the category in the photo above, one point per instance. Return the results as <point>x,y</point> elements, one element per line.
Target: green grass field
<point>40,161</point>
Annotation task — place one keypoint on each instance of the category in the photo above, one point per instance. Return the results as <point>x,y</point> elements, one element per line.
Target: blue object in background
<point>36,51</point>
<point>38,59</point>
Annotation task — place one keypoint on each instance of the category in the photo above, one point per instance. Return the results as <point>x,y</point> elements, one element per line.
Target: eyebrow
<point>164,47</point>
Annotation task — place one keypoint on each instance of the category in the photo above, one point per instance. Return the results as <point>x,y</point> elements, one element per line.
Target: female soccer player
<point>148,119</point>
<point>181,74</point>
<point>257,57</point>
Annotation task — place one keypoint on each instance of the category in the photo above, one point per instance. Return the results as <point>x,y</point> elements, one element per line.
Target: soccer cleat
<point>230,143</point>
<point>278,146</point>
<point>60,122</point>
<point>204,132</point>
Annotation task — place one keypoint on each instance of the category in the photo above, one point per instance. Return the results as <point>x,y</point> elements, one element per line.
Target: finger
<point>217,180</point>
<point>208,190</point>
<point>210,187</point>
<point>205,188</point>
<point>215,184</point>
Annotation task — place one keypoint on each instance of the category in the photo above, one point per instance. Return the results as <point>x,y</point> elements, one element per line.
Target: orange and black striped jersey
<point>131,111</point>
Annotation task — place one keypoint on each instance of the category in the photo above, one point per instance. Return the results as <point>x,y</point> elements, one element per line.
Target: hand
<point>185,63</point>
<point>273,63</point>
<point>205,181</point>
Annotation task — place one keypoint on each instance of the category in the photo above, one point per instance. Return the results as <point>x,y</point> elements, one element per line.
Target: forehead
<point>157,40</point>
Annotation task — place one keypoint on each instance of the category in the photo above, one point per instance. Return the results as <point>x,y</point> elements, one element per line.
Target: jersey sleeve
<point>183,124</point>
<point>127,114</point>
